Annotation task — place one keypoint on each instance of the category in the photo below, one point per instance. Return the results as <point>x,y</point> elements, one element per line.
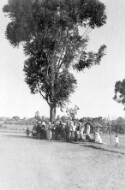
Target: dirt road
<point>29,164</point>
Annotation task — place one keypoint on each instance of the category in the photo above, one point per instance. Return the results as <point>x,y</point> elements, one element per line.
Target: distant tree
<point>65,118</point>
<point>15,118</point>
<point>51,37</point>
<point>118,125</point>
<point>120,92</point>
<point>120,120</point>
<point>72,112</point>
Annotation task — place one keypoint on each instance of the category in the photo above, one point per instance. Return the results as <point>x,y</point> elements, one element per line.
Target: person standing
<point>88,129</point>
<point>98,137</point>
<point>27,131</point>
<point>38,130</point>
<point>78,129</point>
<point>49,131</point>
<point>116,141</point>
<point>63,132</point>
<point>61,128</point>
<point>73,129</point>
<point>43,130</point>
<point>56,130</point>
<point>81,132</point>
<point>53,130</point>
<point>68,133</point>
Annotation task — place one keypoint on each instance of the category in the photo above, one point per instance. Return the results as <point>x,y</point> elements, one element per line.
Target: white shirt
<point>88,129</point>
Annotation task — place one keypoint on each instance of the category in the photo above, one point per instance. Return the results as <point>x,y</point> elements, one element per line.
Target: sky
<point>95,89</point>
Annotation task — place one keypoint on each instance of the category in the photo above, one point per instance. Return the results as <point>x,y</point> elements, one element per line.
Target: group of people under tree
<point>71,130</point>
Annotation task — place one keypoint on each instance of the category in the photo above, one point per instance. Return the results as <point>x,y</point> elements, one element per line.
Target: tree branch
<point>44,97</point>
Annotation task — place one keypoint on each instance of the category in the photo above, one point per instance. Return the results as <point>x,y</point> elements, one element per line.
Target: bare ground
<point>29,164</point>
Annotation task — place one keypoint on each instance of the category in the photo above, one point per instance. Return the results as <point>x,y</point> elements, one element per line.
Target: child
<point>116,141</point>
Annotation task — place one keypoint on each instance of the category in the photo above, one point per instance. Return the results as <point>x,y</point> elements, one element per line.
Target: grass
<point>16,127</point>
<point>109,140</point>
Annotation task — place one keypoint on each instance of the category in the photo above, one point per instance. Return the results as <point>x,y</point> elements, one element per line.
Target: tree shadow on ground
<point>11,131</point>
<point>32,138</point>
<point>106,148</point>
<point>18,136</point>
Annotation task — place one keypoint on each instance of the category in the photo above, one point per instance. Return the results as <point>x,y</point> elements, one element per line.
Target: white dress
<point>98,138</point>
<point>81,132</point>
<point>117,140</point>
<point>88,129</point>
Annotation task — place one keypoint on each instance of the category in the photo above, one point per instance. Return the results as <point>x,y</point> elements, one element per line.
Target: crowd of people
<point>68,131</point>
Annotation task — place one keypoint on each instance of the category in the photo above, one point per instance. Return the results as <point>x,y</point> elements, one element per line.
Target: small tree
<point>120,92</point>
<point>72,112</point>
<point>50,34</point>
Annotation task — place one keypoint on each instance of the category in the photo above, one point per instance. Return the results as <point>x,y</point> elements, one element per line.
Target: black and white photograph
<point>62,94</point>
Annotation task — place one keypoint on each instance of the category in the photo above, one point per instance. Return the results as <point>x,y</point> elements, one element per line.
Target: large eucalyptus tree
<point>54,34</point>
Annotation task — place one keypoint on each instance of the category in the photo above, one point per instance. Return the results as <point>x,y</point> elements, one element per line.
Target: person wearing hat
<point>43,130</point>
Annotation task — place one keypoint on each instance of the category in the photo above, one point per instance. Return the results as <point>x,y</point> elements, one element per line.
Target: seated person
<point>98,138</point>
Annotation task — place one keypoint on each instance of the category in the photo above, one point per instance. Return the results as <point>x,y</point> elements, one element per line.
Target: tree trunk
<point>52,113</point>
<point>52,107</point>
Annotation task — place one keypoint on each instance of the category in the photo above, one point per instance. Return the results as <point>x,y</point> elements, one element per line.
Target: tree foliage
<point>120,92</point>
<point>50,34</point>
<point>72,112</point>
<point>38,78</point>
<point>29,17</point>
